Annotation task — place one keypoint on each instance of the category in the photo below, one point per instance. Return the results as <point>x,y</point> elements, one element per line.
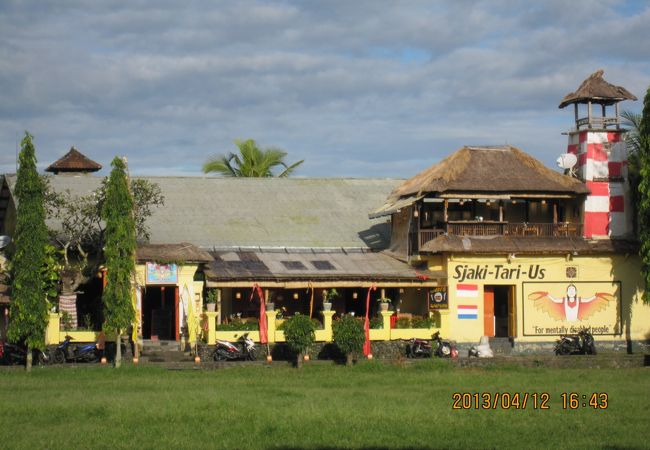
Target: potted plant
<point>211,300</point>
<point>383,303</point>
<point>328,298</point>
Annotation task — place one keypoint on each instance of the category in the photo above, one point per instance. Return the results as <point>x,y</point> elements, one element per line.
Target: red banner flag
<point>366,323</point>
<point>264,327</point>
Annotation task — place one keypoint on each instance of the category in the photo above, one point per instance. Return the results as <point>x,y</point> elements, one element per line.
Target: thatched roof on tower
<point>74,161</point>
<point>597,90</point>
<point>503,169</point>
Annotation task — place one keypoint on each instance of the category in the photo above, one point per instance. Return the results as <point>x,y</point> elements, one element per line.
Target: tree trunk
<point>299,360</point>
<point>28,359</point>
<point>118,351</point>
<point>348,359</point>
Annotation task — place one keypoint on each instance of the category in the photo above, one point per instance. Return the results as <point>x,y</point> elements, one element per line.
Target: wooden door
<point>488,311</point>
<point>512,313</point>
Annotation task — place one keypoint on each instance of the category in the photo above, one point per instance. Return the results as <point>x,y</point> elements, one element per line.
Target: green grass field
<point>371,405</point>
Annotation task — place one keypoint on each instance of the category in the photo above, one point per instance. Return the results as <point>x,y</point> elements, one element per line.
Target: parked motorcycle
<point>576,344</point>
<point>17,354</point>
<point>242,349</point>
<point>422,348</point>
<point>66,351</point>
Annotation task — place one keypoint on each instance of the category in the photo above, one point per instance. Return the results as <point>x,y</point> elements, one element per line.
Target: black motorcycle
<point>243,349</point>
<point>17,354</point>
<point>418,348</point>
<point>576,344</point>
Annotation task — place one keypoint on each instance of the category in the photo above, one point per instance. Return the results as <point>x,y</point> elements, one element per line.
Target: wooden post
<point>618,120</point>
<point>589,114</point>
<point>500,211</point>
<point>555,212</point>
<point>575,109</point>
<point>446,206</point>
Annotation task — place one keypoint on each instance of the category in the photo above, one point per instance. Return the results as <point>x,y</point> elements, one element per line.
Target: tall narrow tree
<point>29,305</point>
<point>643,201</point>
<point>120,244</point>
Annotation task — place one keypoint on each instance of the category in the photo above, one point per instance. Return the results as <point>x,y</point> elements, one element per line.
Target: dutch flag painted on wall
<point>467,290</point>
<point>467,312</point>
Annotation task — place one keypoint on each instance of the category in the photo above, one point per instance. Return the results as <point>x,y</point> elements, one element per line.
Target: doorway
<point>499,311</point>
<point>160,313</point>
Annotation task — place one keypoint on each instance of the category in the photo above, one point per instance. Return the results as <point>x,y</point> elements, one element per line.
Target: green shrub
<point>422,322</point>
<point>377,323</point>
<point>403,322</point>
<point>349,336</point>
<point>239,325</point>
<point>299,334</point>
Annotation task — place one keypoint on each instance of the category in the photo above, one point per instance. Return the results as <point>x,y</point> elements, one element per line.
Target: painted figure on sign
<point>570,308</point>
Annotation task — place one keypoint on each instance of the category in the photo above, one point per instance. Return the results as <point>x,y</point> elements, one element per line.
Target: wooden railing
<point>503,229</point>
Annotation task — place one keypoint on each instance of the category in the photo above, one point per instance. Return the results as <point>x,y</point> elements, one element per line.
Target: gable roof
<point>495,170</point>
<point>596,89</point>
<point>74,161</point>
<point>211,212</point>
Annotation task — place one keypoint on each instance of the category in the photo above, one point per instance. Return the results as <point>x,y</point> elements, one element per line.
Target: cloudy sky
<point>358,88</point>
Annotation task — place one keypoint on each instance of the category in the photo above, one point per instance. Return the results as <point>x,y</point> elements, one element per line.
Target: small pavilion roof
<point>597,90</point>
<point>74,161</point>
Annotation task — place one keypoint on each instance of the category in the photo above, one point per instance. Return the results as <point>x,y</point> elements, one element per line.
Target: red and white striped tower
<point>599,143</point>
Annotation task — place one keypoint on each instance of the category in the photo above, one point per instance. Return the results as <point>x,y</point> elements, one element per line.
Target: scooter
<point>422,348</point>
<point>242,349</point>
<point>418,348</point>
<point>17,354</point>
<point>444,348</point>
<point>66,351</point>
<point>576,344</point>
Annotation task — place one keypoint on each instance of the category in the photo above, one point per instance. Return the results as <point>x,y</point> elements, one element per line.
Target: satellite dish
<point>4,241</point>
<point>567,160</point>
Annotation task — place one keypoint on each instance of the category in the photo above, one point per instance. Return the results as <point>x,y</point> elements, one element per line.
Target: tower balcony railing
<point>598,122</point>
<point>496,228</point>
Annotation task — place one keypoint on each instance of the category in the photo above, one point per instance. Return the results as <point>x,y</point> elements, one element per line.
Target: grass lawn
<point>371,405</point>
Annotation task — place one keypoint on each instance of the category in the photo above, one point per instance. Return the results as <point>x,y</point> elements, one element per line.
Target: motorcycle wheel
<point>40,358</point>
<point>445,350</point>
<point>217,356</point>
<point>562,350</point>
<point>251,354</point>
<point>591,349</point>
<point>59,356</point>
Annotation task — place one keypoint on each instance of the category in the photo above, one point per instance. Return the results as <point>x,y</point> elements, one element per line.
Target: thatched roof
<point>597,90</point>
<point>503,245</point>
<point>172,252</point>
<point>488,170</point>
<point>74,161</point>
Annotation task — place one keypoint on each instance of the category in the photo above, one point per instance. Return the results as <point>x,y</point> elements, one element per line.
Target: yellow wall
<point>619,316</point>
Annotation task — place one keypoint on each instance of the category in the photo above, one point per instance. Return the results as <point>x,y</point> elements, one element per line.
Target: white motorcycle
<point>242,349</point>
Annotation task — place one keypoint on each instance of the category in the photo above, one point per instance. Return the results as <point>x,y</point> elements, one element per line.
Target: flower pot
<point>306,357</point>
<point>135,360</point>
<point>383,306</point>
<point>270,306</point>
<point>327,306</point>
<point>197,359</point>
<point>269,359</point>
<point>210,307</point>
<point>104,360</point>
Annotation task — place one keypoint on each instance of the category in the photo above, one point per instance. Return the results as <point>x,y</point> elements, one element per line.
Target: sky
<point>364,88</point>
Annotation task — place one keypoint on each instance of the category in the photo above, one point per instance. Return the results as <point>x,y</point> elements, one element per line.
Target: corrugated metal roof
<point>287,265</point>
<point>260,212</point>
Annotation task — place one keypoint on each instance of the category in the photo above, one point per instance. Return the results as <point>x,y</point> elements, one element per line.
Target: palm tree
<point>251,161</point>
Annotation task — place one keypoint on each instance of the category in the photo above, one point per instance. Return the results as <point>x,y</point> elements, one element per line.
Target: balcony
<point>495,228</point>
